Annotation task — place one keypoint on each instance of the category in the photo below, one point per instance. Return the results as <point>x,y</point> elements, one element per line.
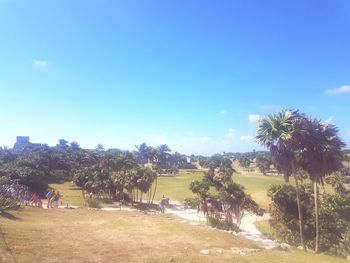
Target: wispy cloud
<point>40,63</point>
<point>230,133</point>
<point>223,112</point>
<point>246,138</point>
<point>253,117</point>
<point>205,139</point>
<point>328,120</point>
<point>155,139</point>
<point>340,90</point>
<point>271,107</point>
<point>349,133</point>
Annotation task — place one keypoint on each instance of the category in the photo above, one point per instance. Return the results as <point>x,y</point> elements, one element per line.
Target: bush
<point>93,203</point>
<point>334,221</point>
<point>343,248</point>
<point>187,166</point>
<point>285,215</point>
<point>221,224</point>
<point>193,202</point>
<point>334,218</point>
<point>107,200</point>
<point>7,204</point>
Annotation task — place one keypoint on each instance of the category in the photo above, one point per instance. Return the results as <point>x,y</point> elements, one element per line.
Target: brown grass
<point>38,235</point>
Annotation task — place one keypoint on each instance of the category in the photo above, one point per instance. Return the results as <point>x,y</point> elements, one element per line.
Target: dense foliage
<point>224,195</point>
<point>334,218</point>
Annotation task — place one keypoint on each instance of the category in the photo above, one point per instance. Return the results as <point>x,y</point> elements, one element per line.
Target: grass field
<point>72,195</point>
<point>177,188</point>
<point>60,235</point>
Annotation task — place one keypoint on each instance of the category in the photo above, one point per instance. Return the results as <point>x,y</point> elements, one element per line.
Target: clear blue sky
<point>192,74</point>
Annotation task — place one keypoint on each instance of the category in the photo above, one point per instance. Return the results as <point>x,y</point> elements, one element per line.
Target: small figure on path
<point>162,204</point>
<point>48,197</point>
<point>185,206</point>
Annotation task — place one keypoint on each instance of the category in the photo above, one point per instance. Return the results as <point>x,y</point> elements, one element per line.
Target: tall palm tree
<point>164,150</point>
<point>143,152</point>
<point>322,155</point>
<point>277,133</point>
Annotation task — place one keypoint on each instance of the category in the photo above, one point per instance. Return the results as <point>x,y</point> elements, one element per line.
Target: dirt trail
<point>248,227</point>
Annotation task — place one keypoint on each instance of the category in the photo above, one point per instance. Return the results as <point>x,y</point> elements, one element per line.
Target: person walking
<point>48,197</point>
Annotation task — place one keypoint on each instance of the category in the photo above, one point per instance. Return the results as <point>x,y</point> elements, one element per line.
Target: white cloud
<point>225,142</point>
<point>223,112</point>
<point>40,63</point>
<point>271,107</point>
<point>230,133</point>
<point>253,117</point>
<point>205,139</point>
<point>328,120</point>
<point>349,134</point>
<point>246,138</point>
<point>340,90</point>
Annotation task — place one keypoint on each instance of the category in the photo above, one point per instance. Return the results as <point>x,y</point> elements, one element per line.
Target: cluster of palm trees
<point>298,143</point>
<point>114,172</point>
<point>160,156</point>
<point>218,188</point>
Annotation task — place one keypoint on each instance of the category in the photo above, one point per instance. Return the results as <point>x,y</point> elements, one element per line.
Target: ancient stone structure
<point>23,142</point>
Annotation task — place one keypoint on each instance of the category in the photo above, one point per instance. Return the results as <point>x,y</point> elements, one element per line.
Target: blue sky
<point>193,74</point>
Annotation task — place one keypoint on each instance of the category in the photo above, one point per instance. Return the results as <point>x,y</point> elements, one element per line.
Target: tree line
<point>301,147</point>
<point>97,171</point>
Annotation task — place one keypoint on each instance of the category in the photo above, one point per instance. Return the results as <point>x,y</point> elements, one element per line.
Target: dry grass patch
<point>39,235</point>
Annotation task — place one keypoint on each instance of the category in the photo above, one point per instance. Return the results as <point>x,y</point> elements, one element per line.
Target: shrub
<point>343,248</point>
<point>221,224</point>
<point>7,204</point>
<point>334,218</point>
<point>193,202</point>
<point>93,203</point>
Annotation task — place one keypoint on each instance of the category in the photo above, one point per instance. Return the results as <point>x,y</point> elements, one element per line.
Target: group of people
<point>21,194</point>
<point>208,208</point>
<point>53,198</point>
<point>25,197</point>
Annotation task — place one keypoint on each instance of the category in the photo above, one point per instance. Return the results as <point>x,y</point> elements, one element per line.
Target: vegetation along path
<point>247,225</point>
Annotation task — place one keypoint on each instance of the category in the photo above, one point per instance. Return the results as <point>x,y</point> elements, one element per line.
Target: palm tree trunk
<point>317,241</point>
<point>301,223</point>
<point>155,189</point>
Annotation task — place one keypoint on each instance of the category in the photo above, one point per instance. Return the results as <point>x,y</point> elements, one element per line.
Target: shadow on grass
<point>9,216</point>
<point>74,188</point>
<point>146,207</point>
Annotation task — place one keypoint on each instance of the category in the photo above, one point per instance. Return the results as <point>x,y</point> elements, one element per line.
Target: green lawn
<point>177,187</point>
<point>72,195</point>
<point>63,235</point>
<point>257,184</point>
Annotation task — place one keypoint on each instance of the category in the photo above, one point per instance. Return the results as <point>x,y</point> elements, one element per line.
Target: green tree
<point>278,133</point>
<point>244,162</point>
<point>100,148</point>
<point>263,164</point>
<point>163,153</point>
<point>143,152</point>
<point>321,156</point>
